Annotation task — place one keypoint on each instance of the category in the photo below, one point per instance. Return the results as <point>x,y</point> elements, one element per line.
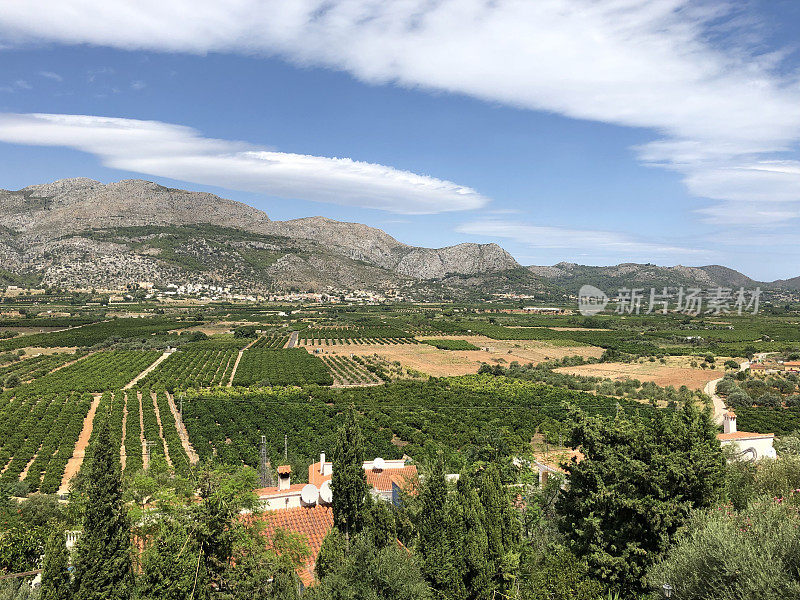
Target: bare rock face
<point>75,205</point>
<point>53,229</point>
<point>463,259</point>
<point>354,240</point>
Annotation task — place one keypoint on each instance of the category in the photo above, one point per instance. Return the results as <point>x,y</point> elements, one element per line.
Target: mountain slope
<point>572,276</point>
<point>82,233</point>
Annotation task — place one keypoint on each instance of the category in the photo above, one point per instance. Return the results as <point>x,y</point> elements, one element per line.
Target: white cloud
<point>138,85</point>
<point>596,242</point>
<point>19,84</point>
<point>51,75</point>
<point>636,63</point>
<point>181,153</point>
<point>720,100</point>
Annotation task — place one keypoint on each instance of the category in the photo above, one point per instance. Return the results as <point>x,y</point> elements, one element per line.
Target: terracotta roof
<point>314,475</point>
<point>792,363</point>
<point>730,413</point>
<point>743,435</point>
<point>555,458</point>
<point>380,480</point>
<point>269,491</point>
<point>383,480</point>
<point>284,469</point>
<point>313,522</point>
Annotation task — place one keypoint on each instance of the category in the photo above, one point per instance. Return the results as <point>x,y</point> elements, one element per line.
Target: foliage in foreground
<point>639,481</point>
<point>727,555</point>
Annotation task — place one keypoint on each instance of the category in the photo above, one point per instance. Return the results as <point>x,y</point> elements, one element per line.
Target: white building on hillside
<point>753,446</point>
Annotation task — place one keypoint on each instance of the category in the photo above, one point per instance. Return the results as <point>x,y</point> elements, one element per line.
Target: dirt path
<point>145,461</point>
<point>30,462</point>
<point>292,340</point>
<point>160,428</point>
<point>182,433</point>
<point>718,401</point>
<point>122,456</point>
<point>76,460</point>
<point>239,358</point>
<point>147,371</point>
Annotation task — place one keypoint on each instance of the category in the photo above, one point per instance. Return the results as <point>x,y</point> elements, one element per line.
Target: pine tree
<point>349,483</point>
<point>103,553</point>
<point>55,569</point>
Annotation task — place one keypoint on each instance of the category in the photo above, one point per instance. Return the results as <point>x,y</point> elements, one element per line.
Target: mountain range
<point>81,233</point>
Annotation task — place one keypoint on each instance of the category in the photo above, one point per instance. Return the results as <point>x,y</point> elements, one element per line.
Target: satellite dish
<point>326,493</point>
<point>309,494</point>
<point>378,464</point>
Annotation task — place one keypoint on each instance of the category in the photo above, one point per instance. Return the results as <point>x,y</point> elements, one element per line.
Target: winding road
<point>711,390</point>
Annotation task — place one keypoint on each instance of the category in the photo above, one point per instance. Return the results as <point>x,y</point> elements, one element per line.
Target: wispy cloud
<point>51,75</point>
<point>93,74</point>
<point>178,152</point>
<point>138,85</point>
<point>577,241</point>
<point>19,84</point>
<point>719,100</point>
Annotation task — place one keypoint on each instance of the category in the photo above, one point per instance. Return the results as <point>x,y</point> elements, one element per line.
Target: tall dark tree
<point>474,545</point>
<point>56,584</point>
<point>348,482</point>
<point>438,536</point>
<point>503,531</point>
<point>103,553</point>
<point>640,479</point>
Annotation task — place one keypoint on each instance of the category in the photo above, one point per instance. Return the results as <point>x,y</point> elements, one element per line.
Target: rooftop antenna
<point>285,447</point>
<point>264,472</point>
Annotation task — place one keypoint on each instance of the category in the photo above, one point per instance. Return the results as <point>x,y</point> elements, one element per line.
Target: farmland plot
<point>201,367</point>
<point>293,366</point>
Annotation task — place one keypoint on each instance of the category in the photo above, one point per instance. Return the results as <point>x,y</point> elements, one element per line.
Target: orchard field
<point>412,371</point>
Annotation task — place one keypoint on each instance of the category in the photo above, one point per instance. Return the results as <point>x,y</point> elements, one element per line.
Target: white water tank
<point>378,464</point>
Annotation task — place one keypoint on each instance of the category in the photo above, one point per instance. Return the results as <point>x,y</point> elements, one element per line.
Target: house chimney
<point>284,477</point>
<point>729,422</point>
<point>322,463</point>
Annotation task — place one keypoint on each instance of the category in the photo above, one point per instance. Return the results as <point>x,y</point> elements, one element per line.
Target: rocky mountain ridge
<point>54,229</point>
<point>83,233</point>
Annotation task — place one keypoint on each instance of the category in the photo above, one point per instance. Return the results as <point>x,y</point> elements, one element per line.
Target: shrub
<point>723,555</point>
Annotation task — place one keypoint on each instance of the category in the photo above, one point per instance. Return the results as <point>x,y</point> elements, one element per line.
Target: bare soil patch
<point>76,460</point>
<point>442,363</point>
<point>662,375</point>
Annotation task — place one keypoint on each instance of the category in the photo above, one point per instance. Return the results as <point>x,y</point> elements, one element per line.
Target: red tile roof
<point>743,435</point>
<point>284,469</point>
<point>268,491</point>
<point>314,475</point>
<point>313,522</point>
<point>383,480</point>
<point>380,480</point>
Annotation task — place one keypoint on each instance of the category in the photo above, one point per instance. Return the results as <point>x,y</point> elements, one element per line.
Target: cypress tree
<point>55,569</point>
<point>474,543</point>
<point>439,536</point>
<point>502,529</point>
<point>349,483</point>
<point>103,553</point>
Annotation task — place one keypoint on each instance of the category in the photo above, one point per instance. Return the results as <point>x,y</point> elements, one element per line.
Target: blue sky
<point>594,132</point>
